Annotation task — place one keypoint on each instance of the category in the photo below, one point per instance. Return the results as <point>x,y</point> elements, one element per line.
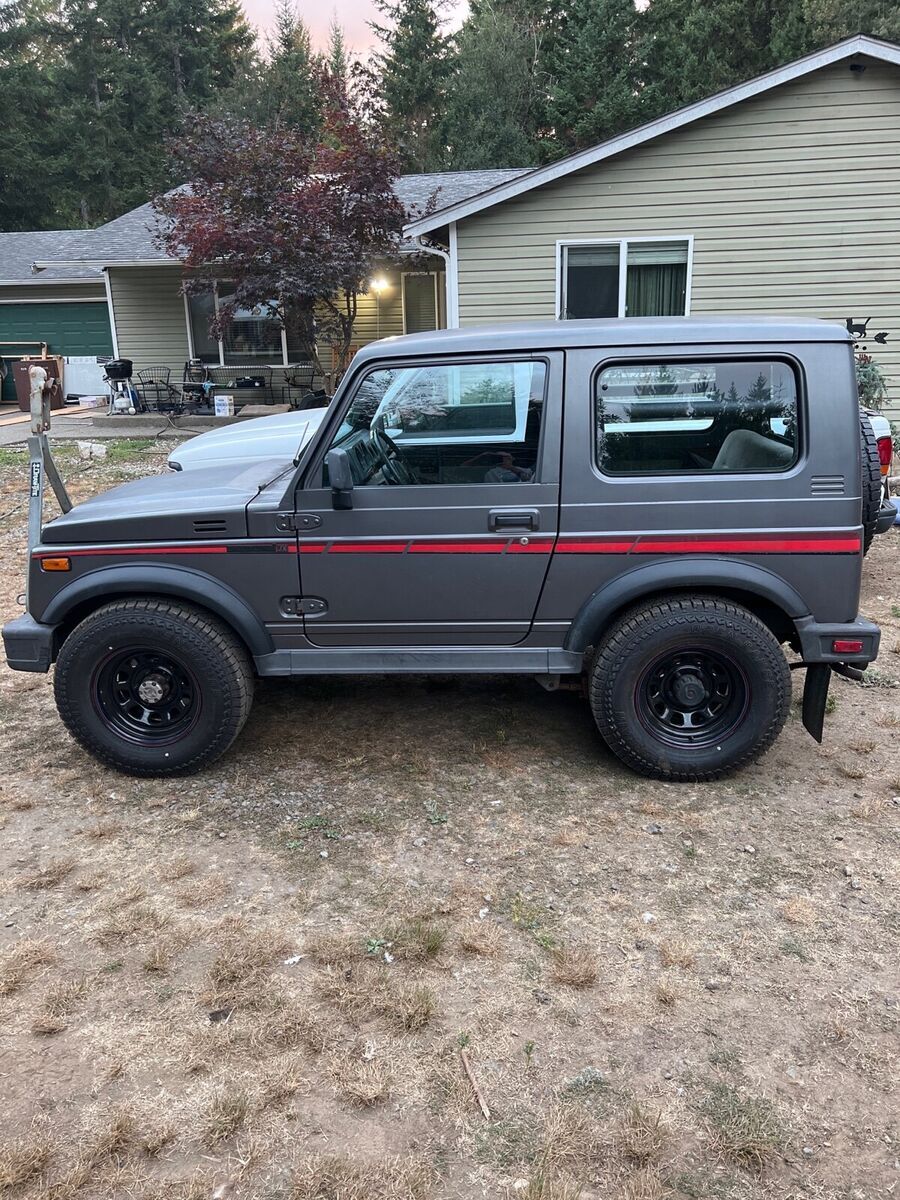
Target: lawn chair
<point>299,383</point>
<point>157,392</point>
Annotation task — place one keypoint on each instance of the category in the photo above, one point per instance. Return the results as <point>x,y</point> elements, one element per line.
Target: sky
<point>352,15</point>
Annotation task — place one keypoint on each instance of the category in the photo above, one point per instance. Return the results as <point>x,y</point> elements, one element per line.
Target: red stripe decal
<point>312,547</point>
<point>368,547</point>
<point>591,546</point>
<point>762,545</point>
<point>532,546</point>
<point>131,550</point>
<point>457,547</point>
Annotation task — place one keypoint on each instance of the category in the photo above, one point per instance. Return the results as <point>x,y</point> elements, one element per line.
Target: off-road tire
<point>871,480</point>
<point>215,659</point>
<point>645,636</point>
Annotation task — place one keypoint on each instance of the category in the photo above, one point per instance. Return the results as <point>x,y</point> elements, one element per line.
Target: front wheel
<point>689,688</point>
<point>153,687</point>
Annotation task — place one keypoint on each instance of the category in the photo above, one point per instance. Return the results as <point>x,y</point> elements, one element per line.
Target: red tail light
<point>885,454</point>
<point>846,646</point>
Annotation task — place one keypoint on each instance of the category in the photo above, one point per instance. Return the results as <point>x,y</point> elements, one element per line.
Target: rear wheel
<point>153,687</point>
<point>689,688</point>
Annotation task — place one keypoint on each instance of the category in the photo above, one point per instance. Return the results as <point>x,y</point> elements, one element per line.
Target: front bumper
<point>28,644</point>
<point>816,640</point>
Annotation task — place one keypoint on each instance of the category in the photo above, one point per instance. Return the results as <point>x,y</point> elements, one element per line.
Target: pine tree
<point>490,118</point>
<point>336,57</point>
<point>594,67</point>
<point>411,72</point>
<point>286,93</point>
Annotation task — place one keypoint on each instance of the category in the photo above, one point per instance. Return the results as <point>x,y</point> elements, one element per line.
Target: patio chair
<point>299,382</point>
<point>157,392</point>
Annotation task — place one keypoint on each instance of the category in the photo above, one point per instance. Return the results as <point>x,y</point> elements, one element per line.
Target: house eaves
<point>849,48</point>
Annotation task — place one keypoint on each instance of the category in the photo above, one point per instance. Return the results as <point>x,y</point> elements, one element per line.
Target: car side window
<point>732,415</point>
<point>445,423</point>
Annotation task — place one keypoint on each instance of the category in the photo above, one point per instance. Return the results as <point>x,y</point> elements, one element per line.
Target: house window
<point>629,277</point>
<point>252,337</point>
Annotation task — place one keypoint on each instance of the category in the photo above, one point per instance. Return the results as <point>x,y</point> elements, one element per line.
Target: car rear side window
<point>731,415</point>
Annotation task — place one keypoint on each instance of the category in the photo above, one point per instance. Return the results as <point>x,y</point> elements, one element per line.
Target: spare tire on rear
<point>871,480</point>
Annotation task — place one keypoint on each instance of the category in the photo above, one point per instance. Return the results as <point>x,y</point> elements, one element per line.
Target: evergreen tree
<point>411,73</point>
<point>492,95</point>
<point>594,64</point>
<point>336,58</point>
<point>25,59</point>
<point>286,92</point>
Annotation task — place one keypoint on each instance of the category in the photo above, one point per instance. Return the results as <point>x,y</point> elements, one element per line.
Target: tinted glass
<point>445,424</point>
<point>738,415</point>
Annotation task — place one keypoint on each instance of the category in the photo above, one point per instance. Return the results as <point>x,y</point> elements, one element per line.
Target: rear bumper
<point>887,516</point>
<point>28,644</point>
<point>816,639</point>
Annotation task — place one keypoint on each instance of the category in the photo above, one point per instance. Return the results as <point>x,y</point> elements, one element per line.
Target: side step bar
<point>465,660</point>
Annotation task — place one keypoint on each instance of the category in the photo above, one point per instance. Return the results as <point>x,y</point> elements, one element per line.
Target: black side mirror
<point>340,477</point>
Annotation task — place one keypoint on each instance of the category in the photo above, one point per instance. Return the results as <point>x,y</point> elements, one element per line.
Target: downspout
<point>451,300</point>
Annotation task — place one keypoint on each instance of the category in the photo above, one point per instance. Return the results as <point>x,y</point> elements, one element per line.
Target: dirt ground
<point>262,982</point>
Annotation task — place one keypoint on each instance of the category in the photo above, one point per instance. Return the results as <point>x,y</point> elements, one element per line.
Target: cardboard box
<point>223,406</point>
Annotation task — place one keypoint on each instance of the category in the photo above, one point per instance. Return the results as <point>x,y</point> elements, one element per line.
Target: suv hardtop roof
<point>636,331</point>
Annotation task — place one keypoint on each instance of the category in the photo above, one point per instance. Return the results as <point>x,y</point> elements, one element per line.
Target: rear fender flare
<point>180,583</point>
<point>694,573</point>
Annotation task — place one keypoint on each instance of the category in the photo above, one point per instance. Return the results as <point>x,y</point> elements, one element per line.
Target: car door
<point>455,468</point>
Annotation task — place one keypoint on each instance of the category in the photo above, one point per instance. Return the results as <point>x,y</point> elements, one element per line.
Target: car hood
<point>279,437</point>
<point>180,505</point>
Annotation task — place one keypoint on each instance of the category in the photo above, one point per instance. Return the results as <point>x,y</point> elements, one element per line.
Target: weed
<point>226,1112</point>
<point>50,876</point>
<point>575,966</point>
<point>330,1177</point>
<point>416,939</point>
<point>360,1081</point>
<point>408,1009</point>
<point>62,997</point>
<point>645,1184</point>
<point>177,867</point>
<point>23,957</point>
<point>798,911</point>
<point>243,962</point>
<point>481,937</point>
<point>432,816</point>
<point>793,948</point>
<point>666,994</point>
<point>676,954</point>
<point>642,1134</point>
<point>23,1160</point>
<point>745,1129</point>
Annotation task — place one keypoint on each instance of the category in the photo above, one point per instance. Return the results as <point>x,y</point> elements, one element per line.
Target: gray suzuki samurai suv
<point>656,506</point>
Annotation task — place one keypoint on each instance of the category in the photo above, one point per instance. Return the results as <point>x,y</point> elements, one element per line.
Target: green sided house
<point>779,196</point>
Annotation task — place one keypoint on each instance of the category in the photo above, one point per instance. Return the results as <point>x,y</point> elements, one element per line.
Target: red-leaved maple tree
<point>294,221</point>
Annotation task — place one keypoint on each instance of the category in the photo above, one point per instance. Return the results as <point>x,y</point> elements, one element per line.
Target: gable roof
<point>129,238</point>
<point>871,47</point>
<point>18,252</point>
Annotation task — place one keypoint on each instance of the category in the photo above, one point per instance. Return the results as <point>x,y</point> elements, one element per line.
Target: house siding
<point>793,200</point>
<point>50,293</point>
<point>149,313</point>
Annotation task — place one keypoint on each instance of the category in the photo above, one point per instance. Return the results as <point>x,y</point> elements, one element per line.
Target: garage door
<point>68,328</point>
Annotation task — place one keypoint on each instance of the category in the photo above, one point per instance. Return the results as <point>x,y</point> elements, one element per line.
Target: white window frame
<point>563,246</point>
<point>404,275</point>
<point>285,361</point>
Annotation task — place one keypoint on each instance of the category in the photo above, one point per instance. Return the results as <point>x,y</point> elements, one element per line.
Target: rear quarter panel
<point>627,521</point>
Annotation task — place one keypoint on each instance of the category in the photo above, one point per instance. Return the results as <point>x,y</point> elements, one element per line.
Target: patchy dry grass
<point>23,1160</point>
<point>575,965</point>
<point>21,960</point>
<point>256,982</point>
<point>745,1129</point>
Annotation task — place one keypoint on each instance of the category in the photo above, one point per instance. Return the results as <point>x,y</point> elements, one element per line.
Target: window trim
<point>563,245</point>
<point>285,360</point>
<point>789,360</point>
<point>404,275</point>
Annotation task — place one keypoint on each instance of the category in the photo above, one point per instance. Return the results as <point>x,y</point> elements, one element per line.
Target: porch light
<point>378,284</point>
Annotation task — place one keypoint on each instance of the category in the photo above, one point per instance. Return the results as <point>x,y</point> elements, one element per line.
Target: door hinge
<point>285,522</point>
<point>302,606</point>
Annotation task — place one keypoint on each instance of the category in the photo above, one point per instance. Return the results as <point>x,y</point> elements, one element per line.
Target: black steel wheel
<point>146,697</point>
<point>692,697</point>
<point>689,687</point>
<point>153,687</point>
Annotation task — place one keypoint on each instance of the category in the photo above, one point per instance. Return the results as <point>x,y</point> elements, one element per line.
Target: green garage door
<point>67,327</point>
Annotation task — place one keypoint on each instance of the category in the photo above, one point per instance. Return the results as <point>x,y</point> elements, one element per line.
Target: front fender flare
<point>696,573</point>
<point>151,579</point>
